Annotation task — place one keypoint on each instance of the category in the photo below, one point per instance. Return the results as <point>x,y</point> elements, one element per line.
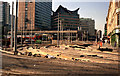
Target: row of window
<point>75,17</point>
<point>65,23</point>
<point>69,17</point>
<point>64,20</point>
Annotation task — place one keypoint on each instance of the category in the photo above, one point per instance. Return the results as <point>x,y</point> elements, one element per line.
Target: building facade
<point>87,29</point>
<point>105,30</point>
<point>5,13</point>
<point>87,24</point>
<point>68,20</point>
<point>4,20</point>
<point>99,35</point>
<point>34,15</point>
<point>113,22</point>
<point>12,22</point>
<point>105,33</point>
<point>4,16</point>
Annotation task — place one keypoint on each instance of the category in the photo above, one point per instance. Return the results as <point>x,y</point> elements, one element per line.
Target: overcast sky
<point>95,9</point>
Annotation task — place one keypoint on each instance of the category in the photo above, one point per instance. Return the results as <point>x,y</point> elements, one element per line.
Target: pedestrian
<point>109,42</point>
<point>115,44</point>
<point>103,42</point>
<point>100,44</point>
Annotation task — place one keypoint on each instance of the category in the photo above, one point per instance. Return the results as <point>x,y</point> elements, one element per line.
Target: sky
<point>95,9</point>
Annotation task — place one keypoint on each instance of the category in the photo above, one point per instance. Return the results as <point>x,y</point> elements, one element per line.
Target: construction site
<point>70,56</point>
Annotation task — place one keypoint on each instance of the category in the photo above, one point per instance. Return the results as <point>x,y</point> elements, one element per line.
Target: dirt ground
<point>68,61</point>
<point>21,65</point>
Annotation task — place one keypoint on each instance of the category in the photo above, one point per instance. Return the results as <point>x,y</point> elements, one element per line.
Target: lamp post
<point>96,37</point>
<point>22,29</point>
<point>15,30</point>
<point>12,25</point>
<point>58,32</point>
<point>61,30</point>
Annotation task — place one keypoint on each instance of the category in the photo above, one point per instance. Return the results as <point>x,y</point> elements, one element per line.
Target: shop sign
<point>117,31</point>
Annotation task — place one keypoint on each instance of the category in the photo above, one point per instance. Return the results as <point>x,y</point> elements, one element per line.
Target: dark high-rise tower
<point>4,19</point>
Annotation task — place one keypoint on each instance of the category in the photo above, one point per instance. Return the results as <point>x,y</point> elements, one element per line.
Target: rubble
<point>50,56</point>
<point>66,52</point>
<point>30,54</point>
<point>82,56</point>
<point>36,55</point>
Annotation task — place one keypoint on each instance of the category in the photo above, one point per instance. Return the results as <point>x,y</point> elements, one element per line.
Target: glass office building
<point>4,19</point>
<point>4,13</point>
<point>34,15</point>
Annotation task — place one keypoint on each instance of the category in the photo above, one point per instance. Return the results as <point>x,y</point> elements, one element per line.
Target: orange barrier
<point>100,44</point>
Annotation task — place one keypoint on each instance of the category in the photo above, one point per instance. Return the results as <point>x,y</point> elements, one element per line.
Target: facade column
<point>117,40</point>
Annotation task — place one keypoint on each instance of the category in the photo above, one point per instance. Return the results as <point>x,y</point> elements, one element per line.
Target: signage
<point>118,10</point>
<point>117,31</point>
<point>117,26</point>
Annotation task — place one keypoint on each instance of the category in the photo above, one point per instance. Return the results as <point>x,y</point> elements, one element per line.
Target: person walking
<point>115,44</point>
<point>103,42</point>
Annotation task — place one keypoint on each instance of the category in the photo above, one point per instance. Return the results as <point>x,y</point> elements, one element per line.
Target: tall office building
<point>34,15</point>
<point>4,19</point>
<point>68,19</point>
<point>1,22</point>
<point>4,16</point>
<point>4,13</point>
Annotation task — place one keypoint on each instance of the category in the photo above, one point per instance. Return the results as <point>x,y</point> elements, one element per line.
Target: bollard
<point>16,52</point>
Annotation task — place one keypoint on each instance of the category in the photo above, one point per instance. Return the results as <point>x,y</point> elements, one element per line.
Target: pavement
<point>8,52</point>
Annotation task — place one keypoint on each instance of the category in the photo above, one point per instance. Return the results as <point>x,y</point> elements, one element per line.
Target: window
<point>118,21</point>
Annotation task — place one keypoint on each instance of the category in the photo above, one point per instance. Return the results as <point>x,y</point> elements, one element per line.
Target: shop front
<point>115,38</point>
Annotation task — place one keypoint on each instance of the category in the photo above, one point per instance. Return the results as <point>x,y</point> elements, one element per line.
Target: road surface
<point>23,65</point>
